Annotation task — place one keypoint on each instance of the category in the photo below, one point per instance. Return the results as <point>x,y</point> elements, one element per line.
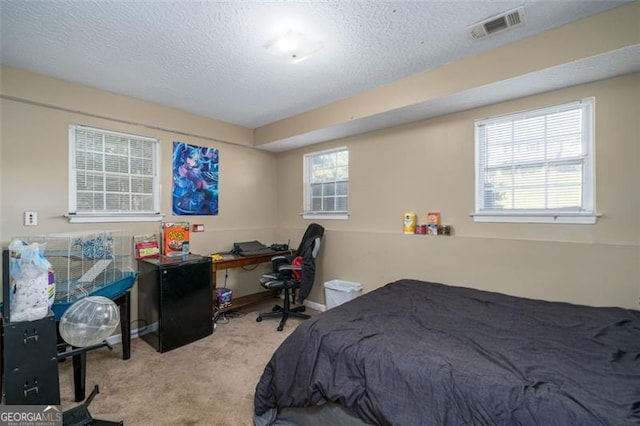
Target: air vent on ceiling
<point>505,21</point>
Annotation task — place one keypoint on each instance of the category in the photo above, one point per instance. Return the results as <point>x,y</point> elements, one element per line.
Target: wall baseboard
<point>314,305</point>
<point>117,338</point>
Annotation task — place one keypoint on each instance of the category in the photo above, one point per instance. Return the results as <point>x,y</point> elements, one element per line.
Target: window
<point>326,184</point>
<point>113,177</point>
<point>536,166</point>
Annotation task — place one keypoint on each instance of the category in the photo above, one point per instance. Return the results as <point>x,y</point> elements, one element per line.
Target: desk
<point>231,261</point>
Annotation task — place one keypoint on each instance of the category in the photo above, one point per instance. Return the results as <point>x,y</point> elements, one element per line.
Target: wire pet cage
<point>86,262</point>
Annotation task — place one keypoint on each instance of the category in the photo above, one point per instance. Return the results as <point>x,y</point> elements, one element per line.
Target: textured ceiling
<point>206,57</point>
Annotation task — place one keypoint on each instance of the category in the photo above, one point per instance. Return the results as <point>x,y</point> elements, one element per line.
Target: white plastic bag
<point>32,287</point>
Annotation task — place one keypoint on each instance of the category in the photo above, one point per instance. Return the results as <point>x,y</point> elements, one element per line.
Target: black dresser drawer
<point>30,365</point>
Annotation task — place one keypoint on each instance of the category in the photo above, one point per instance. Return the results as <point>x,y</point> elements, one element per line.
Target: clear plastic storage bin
<point>338,292</point>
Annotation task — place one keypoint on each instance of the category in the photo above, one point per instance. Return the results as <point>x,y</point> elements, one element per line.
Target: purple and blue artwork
<point>195,180</point>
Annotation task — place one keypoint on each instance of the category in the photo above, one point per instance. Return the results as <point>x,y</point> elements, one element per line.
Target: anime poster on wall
<point>195,180</point>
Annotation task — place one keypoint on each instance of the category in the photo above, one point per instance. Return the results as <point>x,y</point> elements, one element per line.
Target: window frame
<point>74,216</point>
<point>586,214</point>
<point>308,213</point>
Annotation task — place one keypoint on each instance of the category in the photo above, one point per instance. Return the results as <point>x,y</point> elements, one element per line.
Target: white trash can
<point>337,292</point>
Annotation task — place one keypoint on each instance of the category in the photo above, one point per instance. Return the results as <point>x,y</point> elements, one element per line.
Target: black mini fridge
<point>174,300</point>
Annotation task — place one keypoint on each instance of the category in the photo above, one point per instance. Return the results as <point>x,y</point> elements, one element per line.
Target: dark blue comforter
<point>416,353</point>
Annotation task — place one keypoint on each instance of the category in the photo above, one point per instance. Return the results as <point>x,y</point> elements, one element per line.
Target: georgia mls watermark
<point>30,415</point>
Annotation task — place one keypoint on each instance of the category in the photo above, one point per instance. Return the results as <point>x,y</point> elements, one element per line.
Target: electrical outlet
<point>30,218</point>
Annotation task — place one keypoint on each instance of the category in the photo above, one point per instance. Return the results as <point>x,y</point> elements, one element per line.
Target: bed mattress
<point>423,353</point>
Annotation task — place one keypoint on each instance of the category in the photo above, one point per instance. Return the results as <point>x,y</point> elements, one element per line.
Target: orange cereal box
<point>175,238</point>
<point>433,219</point>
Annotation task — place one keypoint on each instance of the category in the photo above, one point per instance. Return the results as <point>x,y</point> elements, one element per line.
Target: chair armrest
<point>278,261</point>
<point>268,277</point>
<point>290,268</point>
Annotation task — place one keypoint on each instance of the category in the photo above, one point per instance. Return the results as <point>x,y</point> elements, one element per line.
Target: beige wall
<point>429,166</point>
<point>420,167</point>
<point>34,164</point>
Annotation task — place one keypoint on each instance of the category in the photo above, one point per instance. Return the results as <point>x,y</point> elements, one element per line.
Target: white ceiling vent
<point>504,21</point>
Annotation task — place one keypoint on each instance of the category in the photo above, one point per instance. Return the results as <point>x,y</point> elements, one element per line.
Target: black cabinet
<point>28,355</point>
<point>29,363</point>
<point>174,300</point>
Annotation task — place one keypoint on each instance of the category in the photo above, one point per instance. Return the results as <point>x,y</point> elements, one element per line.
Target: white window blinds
<point>327,182</point>
<point>536,163</point>
<point>112,173</point>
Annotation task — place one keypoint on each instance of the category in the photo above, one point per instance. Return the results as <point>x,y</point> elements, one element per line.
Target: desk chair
<point>291,273</point>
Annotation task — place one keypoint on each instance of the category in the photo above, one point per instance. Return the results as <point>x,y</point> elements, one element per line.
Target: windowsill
<point>561,218</point>
<point>331,216</point>
<point>75,218</point>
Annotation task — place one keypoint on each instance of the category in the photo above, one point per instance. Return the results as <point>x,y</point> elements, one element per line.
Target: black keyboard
<point>258,252</point>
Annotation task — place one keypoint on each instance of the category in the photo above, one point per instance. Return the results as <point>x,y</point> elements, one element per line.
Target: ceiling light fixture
<point>293,47</point>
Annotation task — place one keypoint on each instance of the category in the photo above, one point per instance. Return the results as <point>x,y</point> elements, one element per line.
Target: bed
<point>419,353</point>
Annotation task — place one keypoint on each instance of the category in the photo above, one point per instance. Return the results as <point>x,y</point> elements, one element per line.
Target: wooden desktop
<point>231,261</point>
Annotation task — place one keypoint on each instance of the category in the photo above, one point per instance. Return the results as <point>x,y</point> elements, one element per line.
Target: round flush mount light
<point>293,46</point>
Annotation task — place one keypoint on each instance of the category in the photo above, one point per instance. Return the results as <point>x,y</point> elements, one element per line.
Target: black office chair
<point>291,273</point>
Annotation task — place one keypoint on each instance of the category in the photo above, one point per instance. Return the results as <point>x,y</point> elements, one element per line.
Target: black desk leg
<point>125,324</point>
<point>79,375</point>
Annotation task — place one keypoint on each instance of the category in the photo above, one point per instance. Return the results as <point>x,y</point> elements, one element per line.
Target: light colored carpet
<point>208,382</point>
